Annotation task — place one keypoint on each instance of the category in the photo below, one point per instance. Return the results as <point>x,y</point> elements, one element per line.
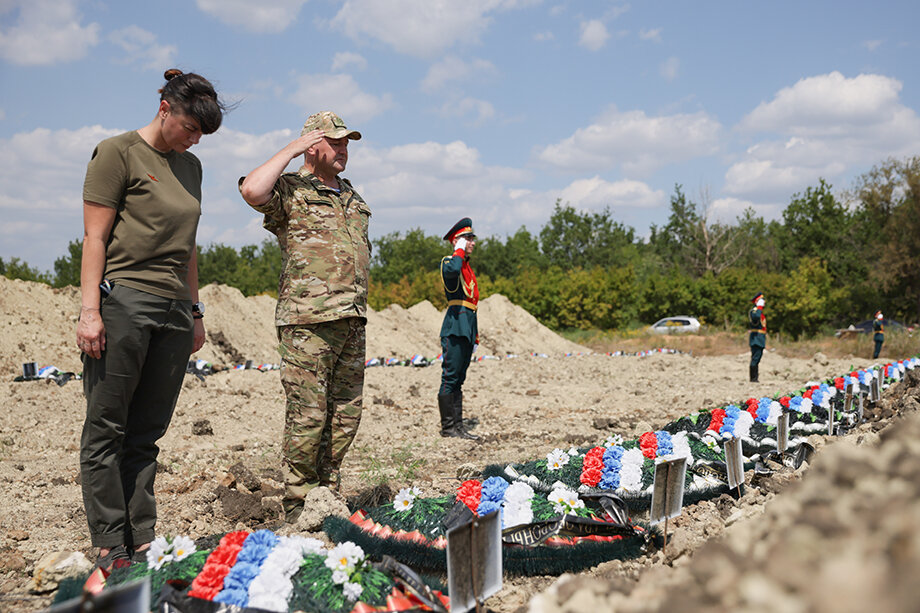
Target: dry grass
<point>711,343</point>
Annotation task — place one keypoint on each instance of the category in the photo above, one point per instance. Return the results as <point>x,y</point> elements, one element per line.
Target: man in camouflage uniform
<point>321,224</point>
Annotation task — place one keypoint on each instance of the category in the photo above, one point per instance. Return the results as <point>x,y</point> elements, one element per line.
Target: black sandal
<point>115,558</point>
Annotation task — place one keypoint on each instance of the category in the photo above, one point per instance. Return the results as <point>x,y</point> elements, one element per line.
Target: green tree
<point>584,240</point>
<point>889,196</point>
<point>497,258</point>
<point>692,241</point>
<point>67,268</point>
<point>396,256</point>
<point>14,268</point>
<point>802,304</point>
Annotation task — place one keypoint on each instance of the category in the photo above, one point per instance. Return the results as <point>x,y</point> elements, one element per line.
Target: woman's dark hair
<point>191,94</point>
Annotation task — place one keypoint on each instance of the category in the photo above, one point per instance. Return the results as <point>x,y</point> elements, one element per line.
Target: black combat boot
<point>458,418</point>
<point>754,374</point>
<point>446,407</point>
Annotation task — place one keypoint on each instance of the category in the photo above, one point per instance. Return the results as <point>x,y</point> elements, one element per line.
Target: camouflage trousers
<point>322,371</point>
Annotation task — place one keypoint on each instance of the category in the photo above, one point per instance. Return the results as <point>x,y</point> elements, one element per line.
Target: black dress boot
<point>754,374</point>
<point>446,408</point>
<point>458,418</point>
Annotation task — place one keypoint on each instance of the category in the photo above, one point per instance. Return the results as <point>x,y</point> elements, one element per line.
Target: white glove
<point>460,244</point>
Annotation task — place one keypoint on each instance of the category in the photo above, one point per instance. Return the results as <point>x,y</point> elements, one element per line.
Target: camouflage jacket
<point>324,249</point>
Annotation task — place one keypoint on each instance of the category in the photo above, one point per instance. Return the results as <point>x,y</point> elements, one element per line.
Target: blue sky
<point>488,108</point>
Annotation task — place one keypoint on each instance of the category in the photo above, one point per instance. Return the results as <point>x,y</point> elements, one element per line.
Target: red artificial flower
<point>784,401</point>
<point>591,476</point>
<point>808,394</point>
<point>470,494</point>
<point>648,443</point>
<point>594,458</point>
<point>838,383</point>
<point>715,422</point>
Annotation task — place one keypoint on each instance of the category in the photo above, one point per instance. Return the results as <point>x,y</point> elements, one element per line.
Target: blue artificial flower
<point>486,506</point>
<point>614,453</point>
<point>235,596</point>
<point>610,480</point>
<point>665,445</point>
<point>493,490</point>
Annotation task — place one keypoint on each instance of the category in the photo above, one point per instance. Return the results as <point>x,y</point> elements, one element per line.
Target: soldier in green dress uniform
<point>757,324</point>
<point>459,332</point>
<point>878,326</point>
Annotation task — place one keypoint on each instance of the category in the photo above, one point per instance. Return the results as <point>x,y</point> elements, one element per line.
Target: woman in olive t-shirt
<point>138,324</point>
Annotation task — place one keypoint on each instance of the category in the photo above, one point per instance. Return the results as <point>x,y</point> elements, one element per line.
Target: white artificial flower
<point>344,556</point>
<point>311,545</point>
<point>404,499</point>
<point>631,470</point>
<point>518,493</point>
<point>339,577</point>
<point>556,459</point>
<point>743,425</point>
<point>573,452</point>
<point>352,591</point>
<point>182,547</point>
<point>613,440</point>
<point>158,553</point>
<point>681,446</point>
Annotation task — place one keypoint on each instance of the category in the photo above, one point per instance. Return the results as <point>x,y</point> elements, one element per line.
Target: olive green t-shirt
<point>157,199</point>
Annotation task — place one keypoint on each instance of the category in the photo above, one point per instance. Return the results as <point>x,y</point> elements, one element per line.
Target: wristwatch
<point>198,310</point>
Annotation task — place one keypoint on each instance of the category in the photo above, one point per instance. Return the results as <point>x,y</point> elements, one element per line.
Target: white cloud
<point>652,35</point>
<point>635,141</point>
<point>45,32</point>
<point>339,93</point>
<point>140,46</point>
<point>479,110</point>
<point>262,17</point>
<point>424,184</point>
<point>454,69</point>
<point>346,58</point>
<point>668,68</point>
<point>420,28</point>
<point>596,194</point>
<point>41,190</point>
<point>727,210</point>
<point>821,127</point>
<point>830,105</point>
<point>594,35</point>
<point>544,36</point>
<point>872,45</point>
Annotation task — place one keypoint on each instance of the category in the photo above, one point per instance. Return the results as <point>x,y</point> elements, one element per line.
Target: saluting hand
<point>301,144</point>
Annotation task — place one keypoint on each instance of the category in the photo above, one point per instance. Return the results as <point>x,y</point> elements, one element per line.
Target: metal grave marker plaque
<point>782,432</point>
<point>848,399</point>
<point>474,562</point>
<point>668,489</point>
<point>734,463</point>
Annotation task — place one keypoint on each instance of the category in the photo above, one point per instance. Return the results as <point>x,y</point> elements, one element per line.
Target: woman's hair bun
<point>172,73</point>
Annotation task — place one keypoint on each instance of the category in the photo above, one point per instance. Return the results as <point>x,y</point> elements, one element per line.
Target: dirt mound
<point>38,325</point>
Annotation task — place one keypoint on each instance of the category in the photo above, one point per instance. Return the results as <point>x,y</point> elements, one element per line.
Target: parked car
<point>682,324</point>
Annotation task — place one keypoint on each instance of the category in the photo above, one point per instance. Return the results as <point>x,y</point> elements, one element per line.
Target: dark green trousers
<point>130,396</point>
<point>456,352</point>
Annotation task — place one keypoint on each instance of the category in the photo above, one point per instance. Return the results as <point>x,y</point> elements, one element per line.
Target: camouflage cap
<point>331,125</point>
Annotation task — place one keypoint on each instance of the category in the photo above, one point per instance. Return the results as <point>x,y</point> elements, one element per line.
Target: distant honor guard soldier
<point>459,332</point>
<point>878,326</point>
<point>321,223</point>
<point>757,324</point>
